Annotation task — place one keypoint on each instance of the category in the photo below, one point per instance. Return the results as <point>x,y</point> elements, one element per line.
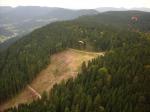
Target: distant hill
<point>142,9</point>
<point>105,9</point>
<point>5,9</point>
<point>23,19</point>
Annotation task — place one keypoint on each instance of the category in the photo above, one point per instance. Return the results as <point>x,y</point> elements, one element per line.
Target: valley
<point>21,20</point>
<point>64,65</point>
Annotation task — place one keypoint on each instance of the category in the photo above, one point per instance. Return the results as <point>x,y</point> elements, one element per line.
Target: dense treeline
<point>20,63</point>
<point>117,82</point>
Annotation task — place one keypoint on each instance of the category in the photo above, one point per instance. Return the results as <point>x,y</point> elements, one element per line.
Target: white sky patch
<point>78,4</point>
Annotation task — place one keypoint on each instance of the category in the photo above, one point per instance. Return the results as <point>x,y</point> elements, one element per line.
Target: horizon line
<point>70,8</point>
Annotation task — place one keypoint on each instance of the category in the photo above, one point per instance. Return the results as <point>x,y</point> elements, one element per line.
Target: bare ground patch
<point>64,65</point>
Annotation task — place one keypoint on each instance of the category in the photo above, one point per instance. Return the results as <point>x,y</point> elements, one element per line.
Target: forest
<point>116,82</point>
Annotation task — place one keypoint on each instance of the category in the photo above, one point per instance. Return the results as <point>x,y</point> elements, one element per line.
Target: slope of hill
<point>6,43</point>
<point>117,82</point>
<point>24,19</point>
<point>53,74</point>
<point>121,19</point>
<point>28,56</point>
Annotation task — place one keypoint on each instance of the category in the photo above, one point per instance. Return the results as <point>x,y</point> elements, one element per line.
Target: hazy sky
<point>78,4</point>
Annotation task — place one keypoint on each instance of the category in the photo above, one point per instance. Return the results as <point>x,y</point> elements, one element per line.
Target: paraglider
<point>132,25</point>
<point>82,44</point>
<point>134,18</point>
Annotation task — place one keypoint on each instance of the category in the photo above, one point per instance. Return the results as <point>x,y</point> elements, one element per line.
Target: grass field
<point>64,65</point>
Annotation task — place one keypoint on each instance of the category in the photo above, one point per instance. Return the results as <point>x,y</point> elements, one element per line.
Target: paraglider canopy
<point>81,42</point>
<point>134,18</point>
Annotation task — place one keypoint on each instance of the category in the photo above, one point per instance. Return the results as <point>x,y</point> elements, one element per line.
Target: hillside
<point>116,82</point>
<point>121,19</point>
<point>120,73</point>
<point>52,74</point>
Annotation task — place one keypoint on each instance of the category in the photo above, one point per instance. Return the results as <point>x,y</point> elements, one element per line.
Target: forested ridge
<point>117,82</point>
<point>121,19</point>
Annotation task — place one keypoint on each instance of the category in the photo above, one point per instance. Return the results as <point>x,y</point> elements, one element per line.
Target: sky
<point>78,4</point>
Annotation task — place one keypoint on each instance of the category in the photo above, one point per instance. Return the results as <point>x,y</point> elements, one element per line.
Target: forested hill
<point>126,65</point>
<point>117,82</point>
<point>121,18</point>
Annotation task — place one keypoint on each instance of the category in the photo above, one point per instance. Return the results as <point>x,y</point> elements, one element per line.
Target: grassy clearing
<point>64,65</point>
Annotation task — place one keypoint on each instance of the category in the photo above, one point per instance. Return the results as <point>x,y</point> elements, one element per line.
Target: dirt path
<point>64,65</point>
